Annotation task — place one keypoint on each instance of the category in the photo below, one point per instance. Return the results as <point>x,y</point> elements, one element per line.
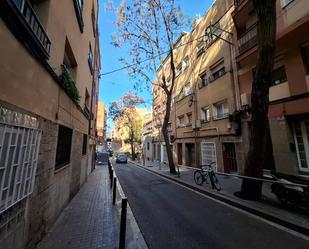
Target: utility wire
<point>137,63</point>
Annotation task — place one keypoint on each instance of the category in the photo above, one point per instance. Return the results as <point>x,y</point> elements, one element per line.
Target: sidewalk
<point>90,221</point>
<point>268,208</point>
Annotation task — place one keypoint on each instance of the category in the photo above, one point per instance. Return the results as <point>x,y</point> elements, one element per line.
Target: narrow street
<point>171,216</point>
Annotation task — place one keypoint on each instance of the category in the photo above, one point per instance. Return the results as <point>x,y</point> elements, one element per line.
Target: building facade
<point>48,98</point>
<point>289,97</point>
<point>147,137</point>
<point>101,123</point>
<point>204,95</point>
<point>215,62</point>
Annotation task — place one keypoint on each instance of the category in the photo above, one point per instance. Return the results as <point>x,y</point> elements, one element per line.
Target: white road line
<point>295,233</point>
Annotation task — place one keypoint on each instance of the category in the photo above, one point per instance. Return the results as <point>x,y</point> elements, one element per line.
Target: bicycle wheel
<point>198,177</point>
<point>214,182</point>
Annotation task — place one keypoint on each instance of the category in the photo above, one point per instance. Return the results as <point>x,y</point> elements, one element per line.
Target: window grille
<point>19,148</point>
<point>64,143</point>
<point>85,143</point>
<point>209,154</point>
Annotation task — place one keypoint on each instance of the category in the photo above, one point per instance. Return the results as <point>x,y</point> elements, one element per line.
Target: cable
<point>137,63</point>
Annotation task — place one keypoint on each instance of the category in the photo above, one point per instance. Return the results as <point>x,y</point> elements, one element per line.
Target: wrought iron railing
<point>247,40</point>
<point>238,2</point>
<point>32,20</point>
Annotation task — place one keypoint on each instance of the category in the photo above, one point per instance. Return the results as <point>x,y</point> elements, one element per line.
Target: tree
<point>266,38</point>
<point>148,29</point>
<point>126,117</point>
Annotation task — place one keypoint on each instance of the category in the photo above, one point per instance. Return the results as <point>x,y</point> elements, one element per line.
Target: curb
<point>255,211</point>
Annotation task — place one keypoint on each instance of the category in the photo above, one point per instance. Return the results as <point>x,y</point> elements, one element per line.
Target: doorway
<point>190,154</point>
<point>179,153</point>
<point>229,157</point>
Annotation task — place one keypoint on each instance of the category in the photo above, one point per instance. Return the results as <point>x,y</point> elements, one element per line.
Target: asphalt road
<point>171,216</point>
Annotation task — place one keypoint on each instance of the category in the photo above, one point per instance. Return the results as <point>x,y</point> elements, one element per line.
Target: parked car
<point>121,158</point>
<point>102,157</point>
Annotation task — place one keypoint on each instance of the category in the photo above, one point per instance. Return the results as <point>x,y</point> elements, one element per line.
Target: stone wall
<point>24,225</point>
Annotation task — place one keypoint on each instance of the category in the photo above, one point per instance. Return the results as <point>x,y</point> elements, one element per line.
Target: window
<point>168,81</point>
<point>69,62</point>
<point>148,145</point>
<point>301,136</point>
<point>87,105</point>
<point>220,110</point>
<point>90,58</point>
<point>178,70</point>
<point>200,49</point>
<point>285,3</point>
<point>208,154</point>
<point>169,126</point>
<point>189,118</point>
<point>87,99</point>
<point>279,76</point>
<point>212,32</point>
<point>93,19</point>
<point>19,148</point>
<point>185,62</point>
<point>203,81</point>
<point>63,154</point>
<point>181,121</point>
<point>187,90</point>
<point>217,70</point>
<point>85,143</point>
<point>205,114</point>
<point>305,55</point>
<point>79,5</point>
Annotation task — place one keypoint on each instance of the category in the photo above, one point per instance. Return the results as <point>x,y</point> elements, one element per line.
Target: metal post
<point>178,173</point>
<point>111,177</point>
<point>114,190</point>
<point>123,221</point>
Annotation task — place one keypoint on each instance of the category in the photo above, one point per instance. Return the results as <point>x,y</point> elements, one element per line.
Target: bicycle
<point>201,175</point>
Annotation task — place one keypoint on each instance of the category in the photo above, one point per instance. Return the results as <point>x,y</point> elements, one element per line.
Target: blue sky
<point>113,86</point>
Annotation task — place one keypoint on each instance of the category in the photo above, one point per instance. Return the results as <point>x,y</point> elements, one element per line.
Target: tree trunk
<point>169,151</point>
<point>266,37</point>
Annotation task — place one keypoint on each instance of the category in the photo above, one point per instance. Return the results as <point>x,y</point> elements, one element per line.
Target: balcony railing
<point>29,16</point>
<point>238,2</point>
<point>247,40</point>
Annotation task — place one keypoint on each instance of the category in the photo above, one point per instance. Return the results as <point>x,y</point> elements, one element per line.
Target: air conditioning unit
<point>245,99</point>
<point>196,124</point>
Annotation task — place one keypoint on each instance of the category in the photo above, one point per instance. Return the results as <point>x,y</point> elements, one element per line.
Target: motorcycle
<point>291,195</point>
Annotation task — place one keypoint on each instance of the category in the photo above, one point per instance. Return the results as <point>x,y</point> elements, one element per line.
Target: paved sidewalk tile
<point>90,221</point>
<point>269,203</point>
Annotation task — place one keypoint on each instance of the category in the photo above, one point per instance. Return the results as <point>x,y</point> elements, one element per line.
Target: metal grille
<point>19,147</point>
<point>209,154</point>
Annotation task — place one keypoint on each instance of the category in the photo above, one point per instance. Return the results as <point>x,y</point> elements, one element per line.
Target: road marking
<point>283,228</point>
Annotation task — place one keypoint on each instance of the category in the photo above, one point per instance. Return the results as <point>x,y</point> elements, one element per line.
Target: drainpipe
<point>235,76</point>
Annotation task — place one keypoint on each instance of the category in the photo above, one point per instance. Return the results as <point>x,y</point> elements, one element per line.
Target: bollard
<point>114,190</point>
<point>123,221</point>
<point>111,178</point>
<point>109,166</point>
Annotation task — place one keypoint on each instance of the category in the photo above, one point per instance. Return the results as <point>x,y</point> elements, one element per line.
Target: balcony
<point>247,40</point>
<point>23,22</point>
<point>238,2</point>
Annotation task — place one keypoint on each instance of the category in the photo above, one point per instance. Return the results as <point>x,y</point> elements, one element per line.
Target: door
<point>229,157</point>
<point>301,136</point>
<point>179,153</point>
<point>190,154</point>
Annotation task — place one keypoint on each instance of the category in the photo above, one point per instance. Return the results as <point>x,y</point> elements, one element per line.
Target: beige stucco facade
<point>31,84</point>
<point>210,60</point>
<point>101,122</point>
<point>289,97</point>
